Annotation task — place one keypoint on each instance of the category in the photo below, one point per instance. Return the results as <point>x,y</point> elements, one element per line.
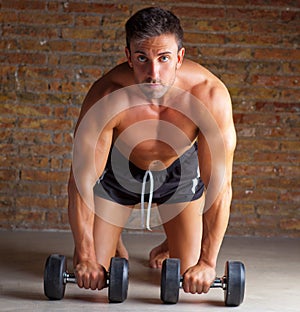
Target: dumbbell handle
<point>219,282</point>
<point>71,278</point>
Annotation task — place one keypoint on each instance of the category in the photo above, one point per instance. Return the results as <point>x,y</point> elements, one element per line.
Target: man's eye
<point>142,58</point>
<point>164,58</point>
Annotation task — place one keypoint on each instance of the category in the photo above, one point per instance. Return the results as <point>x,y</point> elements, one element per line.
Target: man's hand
<point>90,275</point>
<point>198,278</point>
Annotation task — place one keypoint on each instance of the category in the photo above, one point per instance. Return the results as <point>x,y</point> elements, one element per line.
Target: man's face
<point>154,62</point>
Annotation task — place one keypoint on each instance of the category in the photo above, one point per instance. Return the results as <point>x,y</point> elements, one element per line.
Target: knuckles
<point>195,283</point>
<point>90,278</point>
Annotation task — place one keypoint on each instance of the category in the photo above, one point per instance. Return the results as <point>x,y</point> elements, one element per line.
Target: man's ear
<point>128,55</point>
<point>180,57</point>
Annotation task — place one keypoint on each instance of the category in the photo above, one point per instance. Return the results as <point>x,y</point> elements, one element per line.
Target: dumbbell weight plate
<point>235,275</point>
<point>118,280</point>
<point>54,287</point>
<point>170,281</point>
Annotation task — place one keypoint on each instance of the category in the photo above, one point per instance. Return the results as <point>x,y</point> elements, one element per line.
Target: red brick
<point>197,12</point>
<point>24,59</point>
<point>44,150</point>
<point>218,25</point>
<point>201,38</point>
<point>8,149</point>
<point>275,183</point>
<point>8,122</point>
<point>84,60</point>
<point>44,176</point>
<point>242,156</point>
<point>46,124</point>
<point>30,31</point>
<point>275,81</point>
<point>277,107</point>
<point>52,217</point>
<point>88,21</point>
<point>81,33</point>
<point>252,14</point>
<point>244,182</point>
<point>30,218</point>
<point>290,146</point>
<point>89,74</point>
<point>24,4</point>
<point>233,78</point>
<point>8,174</point>
<point>254,39</point>
<point>59,189</point>
<point>227,52</point>
<point>26,188</point>
<point>71,87</point>
<point>257,145</point>
<point>8,17</point>
<point>256,194</point>
<point>36,202</point>
<point>289,15</point>
<point>267,68</point>
<point>290,196</point>
<point>290,224</point>
<point>65,219</point>
<point>95,8</point>
<point>276,54</point>
<point>45,18</point>
<point>271,157</point>
<point>54,6</point>
<point>66,163</point>
<point>273,27</point>
<point>290,95</point>
<point>257,170</point>
<point>24,110</point>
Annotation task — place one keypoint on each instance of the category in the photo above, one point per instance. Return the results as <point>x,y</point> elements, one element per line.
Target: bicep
<point>216,147</point>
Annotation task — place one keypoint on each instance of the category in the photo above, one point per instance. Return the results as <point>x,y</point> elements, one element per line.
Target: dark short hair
<point>151,22</point>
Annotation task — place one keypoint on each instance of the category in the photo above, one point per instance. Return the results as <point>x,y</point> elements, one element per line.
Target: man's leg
<point>184,231</point>
<point>110,218</point>
<point>121,249</point>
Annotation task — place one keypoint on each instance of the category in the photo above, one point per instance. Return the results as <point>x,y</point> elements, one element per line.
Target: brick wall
<point>52,50</point>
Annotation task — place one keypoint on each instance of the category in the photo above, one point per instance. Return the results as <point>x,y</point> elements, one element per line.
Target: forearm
<point>215,222</point>
<point>81,219</point>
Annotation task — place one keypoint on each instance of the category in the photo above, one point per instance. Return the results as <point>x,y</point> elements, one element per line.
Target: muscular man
<point>145,129</point>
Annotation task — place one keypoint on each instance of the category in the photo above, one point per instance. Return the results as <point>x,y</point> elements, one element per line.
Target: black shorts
<point>122,181</point>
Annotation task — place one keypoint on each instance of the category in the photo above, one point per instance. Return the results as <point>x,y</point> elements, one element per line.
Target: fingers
<point>196,283</point>
<point>90,278</point>
<point>157,257</point>
<point>156,263</point>
<point>194,286</point>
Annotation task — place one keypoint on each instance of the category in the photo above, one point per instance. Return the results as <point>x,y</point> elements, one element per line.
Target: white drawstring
<point>148,172</point>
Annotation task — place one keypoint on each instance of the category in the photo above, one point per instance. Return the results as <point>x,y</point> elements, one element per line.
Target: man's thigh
<point>110,218</point>
<point>183,227</point>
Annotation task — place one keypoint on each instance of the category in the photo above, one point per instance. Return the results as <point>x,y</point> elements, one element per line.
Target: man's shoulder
<point>197,74</point>
<point>203,84</point>
<point>118,77</point>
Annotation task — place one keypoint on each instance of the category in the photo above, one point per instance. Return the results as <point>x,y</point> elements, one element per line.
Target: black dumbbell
<point>56,277</point>
<point>233,282</point>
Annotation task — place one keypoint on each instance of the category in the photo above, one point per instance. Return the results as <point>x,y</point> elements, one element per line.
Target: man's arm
<point>216,173</point>
<point>88,146</point>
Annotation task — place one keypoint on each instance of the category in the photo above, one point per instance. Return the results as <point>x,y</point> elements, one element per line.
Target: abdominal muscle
<point>153,139</point>
<point>152,155</point>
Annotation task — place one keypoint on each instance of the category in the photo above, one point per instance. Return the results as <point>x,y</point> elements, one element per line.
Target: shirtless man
<point>155,63</point>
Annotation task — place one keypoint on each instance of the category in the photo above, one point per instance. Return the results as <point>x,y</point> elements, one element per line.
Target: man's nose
<point>153,70</point>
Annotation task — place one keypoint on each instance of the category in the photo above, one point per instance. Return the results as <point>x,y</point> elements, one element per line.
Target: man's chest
<point>151,122</point>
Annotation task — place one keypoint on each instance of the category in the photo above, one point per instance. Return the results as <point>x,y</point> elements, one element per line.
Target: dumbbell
<point>233,282</point>
<point>56,277</point>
